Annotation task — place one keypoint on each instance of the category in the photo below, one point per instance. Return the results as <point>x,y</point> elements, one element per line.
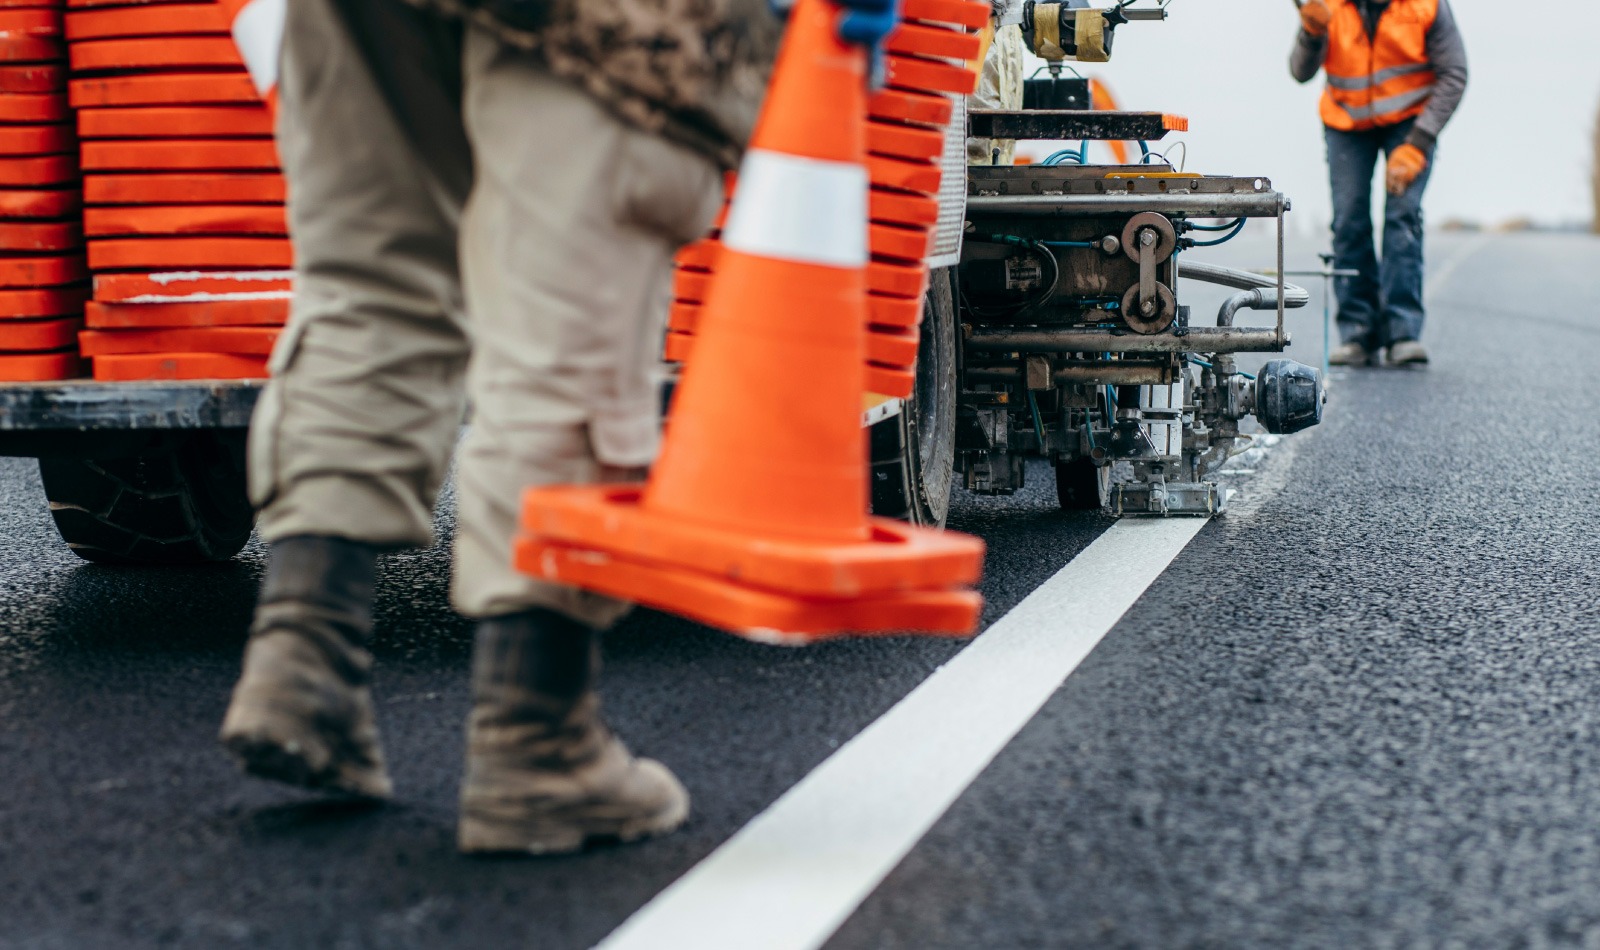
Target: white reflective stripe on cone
<point>258,32</point>
<point>797,209</point>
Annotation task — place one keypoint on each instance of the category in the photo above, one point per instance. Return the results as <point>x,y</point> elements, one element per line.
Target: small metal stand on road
<point>1328,273</point>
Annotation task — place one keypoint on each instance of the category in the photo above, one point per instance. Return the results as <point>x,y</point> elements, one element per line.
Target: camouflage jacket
<point>693,70</point>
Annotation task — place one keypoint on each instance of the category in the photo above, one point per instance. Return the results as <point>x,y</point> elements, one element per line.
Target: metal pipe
<point>1294,297</point>
<point>1259,299</point>
<point>1108,374</point>
<point>1078,340</point>
<point>1266,204</point>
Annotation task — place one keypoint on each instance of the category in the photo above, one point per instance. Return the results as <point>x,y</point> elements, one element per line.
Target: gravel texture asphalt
<point>1358,711</point>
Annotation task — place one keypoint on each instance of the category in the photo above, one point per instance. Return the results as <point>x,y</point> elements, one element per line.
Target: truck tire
<point>186,505</point>
<point>914,452</point>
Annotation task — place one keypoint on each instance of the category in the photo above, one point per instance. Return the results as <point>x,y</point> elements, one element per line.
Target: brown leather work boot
<point>302,711</point>
<point>544,774</point>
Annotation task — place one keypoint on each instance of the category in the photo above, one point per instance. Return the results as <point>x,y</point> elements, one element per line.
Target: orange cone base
<point>892,347</point>
<point>906,244</point>
<point>934,41</point>
<point>167,52</point>
<point>162,89</point>
<point>891,381</point>
<point>34,108</point>
<point>147,20</point>
<point>895,558</point>
<point>192,286</point>
<point>29,49</point>
<point>178,366</point>
<point>38,171</point>
<point>238,341</point>
<point>901,105</point>
<point>894,311</point>
<point>33,336</point>
<point>33,78</point>
<point>52,271</point>
<point>928,75</point>
<point>960,12</point>
<point>222,155</point>
<point>679,344</point>
<point>749,612</point>
<point>35,22</point>
<point>185,252</point>
<point>185,219</point>
<point>40,203</point>
<point>176,189</point>
<point>202,313</point>
<point>39,367</point>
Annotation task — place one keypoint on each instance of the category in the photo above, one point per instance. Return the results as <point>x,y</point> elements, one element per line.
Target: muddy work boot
<point>302,711</point>
<point>1350,354</point>
<point>1408,353</point>
<point>544,774</point>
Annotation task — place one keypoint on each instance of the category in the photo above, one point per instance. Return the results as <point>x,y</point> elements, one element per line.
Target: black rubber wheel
<point>187,505</point>
<point>914,453</point>
<point>1080,485</point>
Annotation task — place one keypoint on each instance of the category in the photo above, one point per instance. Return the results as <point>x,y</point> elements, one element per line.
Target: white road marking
<point>792,876</point>
<point>1448,269</point>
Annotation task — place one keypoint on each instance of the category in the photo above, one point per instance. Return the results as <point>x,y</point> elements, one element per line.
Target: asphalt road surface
<point>1359,711</point>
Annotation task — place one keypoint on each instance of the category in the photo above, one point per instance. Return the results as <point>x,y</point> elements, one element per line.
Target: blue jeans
<point>1382,305</point>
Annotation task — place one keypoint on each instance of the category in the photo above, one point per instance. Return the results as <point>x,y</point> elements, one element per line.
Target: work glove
<point>1406,164</point>
<point>868,22</point>
<point>1315,16</point>
<point>865,22</point>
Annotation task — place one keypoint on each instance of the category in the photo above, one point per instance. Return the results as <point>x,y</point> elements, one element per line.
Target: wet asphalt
<point>1359,711</point>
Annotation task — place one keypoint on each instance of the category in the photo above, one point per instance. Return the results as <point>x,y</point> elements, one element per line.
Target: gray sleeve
<point>1309,54</point>
<point>1448,53</point>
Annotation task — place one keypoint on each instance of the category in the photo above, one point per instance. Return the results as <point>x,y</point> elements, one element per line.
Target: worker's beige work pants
<point>533,277</point>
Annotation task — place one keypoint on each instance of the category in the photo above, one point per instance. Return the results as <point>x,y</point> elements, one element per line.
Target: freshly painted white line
<point>1448,269</point>
<point>792,876</point>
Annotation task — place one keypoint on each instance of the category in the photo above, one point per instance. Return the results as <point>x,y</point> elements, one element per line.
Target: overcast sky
<point>1519,147</point>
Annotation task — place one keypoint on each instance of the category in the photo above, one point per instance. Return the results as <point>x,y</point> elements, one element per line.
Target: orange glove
<point>1405,164</point>
<point>1314,17</point>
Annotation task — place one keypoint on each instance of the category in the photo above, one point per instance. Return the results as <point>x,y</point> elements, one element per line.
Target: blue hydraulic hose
<point>1237,228</point>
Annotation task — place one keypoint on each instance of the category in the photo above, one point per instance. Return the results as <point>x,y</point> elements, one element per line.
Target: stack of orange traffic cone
<point>188,237</point>
<point>42,273</point>
<point>754,518</point>
<point>929,60</point>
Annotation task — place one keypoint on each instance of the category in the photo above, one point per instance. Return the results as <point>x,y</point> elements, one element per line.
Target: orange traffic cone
<point>907,125</point>
<point>754,518</point>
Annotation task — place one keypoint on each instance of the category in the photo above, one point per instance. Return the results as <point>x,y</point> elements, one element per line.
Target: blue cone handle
<point>868,22</point>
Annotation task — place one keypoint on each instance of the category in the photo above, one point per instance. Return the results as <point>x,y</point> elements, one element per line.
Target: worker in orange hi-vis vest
<point>485,200</point>
<point>1396,71</point>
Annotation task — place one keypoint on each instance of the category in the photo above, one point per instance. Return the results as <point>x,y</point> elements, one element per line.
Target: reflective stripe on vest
<point>1393,105</point>
<point>1360,83</point>
<point>1380,79</point>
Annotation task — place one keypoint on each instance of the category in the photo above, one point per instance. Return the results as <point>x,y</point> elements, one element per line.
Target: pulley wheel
<point>1166,310</point>
<point>1166,235</point>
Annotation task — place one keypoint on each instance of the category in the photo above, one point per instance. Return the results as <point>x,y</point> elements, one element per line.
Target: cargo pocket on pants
<point>267,421</point>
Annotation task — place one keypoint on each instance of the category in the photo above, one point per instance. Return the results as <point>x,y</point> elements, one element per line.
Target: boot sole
<point>267,757</point>
<point>551,837</point>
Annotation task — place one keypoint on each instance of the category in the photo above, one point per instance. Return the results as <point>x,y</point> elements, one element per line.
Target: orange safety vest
<point>1378,80</point>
